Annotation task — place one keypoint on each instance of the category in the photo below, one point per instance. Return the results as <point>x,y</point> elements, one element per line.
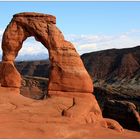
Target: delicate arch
<point>67,70</point>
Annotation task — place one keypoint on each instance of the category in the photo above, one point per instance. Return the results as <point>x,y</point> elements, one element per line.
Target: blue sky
<point>90,26</point>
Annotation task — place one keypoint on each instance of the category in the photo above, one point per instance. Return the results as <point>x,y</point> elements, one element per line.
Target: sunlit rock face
<point>67,71</point>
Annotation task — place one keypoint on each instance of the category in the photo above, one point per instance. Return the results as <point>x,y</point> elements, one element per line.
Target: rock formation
<point>68,78</point>
<point>124,112</point>
<point>67,70</point>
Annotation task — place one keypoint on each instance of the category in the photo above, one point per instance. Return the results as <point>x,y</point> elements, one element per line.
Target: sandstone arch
<point>68,74</point>
<point>67,70</point>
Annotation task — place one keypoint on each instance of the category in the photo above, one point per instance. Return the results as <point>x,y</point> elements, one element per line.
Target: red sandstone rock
<point>9,76</point>
<point>67,70</point>
<point>112,124</point>
<point>23,117</point>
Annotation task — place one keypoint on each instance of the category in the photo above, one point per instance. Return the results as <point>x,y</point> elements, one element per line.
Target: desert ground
<point>22,117</point>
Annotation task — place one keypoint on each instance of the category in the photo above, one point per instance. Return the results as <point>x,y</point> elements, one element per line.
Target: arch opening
<point>32,62</point>
<point>32,50</point>
<point>67,70</point>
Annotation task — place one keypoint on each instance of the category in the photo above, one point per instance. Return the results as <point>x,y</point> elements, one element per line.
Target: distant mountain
<point>32,57</point>
<point>38,68</point>
<point>114,65</point>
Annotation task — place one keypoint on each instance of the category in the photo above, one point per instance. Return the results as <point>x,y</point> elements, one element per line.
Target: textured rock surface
<point>22,117</point>
<point>120,104</point>
<point>114,65</point>
<point>119,109</point>
<point>67,70</point>
<point>34,87</point>
<point>9,76</point>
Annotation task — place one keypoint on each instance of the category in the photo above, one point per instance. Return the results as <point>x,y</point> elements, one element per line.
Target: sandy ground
<point>21,117</point>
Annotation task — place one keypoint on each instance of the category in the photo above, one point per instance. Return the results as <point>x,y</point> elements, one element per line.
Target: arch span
<point>67,70</point>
